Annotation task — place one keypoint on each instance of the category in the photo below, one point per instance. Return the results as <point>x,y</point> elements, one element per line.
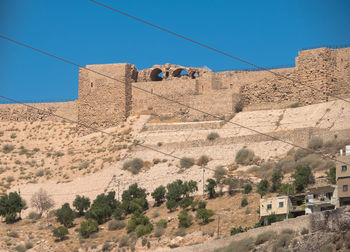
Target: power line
<point>213,49</point>
<point>154,94</point>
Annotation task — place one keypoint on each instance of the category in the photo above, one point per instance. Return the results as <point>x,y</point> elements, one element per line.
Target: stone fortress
<point>104,102</point>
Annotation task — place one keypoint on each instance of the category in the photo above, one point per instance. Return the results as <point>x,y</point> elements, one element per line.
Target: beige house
<point>276,205</point>
<point>343,177</point>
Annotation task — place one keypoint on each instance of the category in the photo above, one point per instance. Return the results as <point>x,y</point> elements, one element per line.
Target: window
<point>345,188</point>
<point>281,204</point>
<point>269,206</point>
<point>92,84</point>
<point>344,168</point>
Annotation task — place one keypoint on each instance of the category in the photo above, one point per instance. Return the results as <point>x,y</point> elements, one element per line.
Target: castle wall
<point>104,102</point>
<point>19,112</point>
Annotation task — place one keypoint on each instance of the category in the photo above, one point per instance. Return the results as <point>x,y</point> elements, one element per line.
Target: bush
<point>178,190</point>
<point>88,227</point>
<point>283,241</point>
<point>286,189</point>
<point>185,220</point>
<point>204,214</point>
<point>244,202</point>
<point>243,245</point>
<point>34,216</point>
<point>134,199</point>
<point>140,223</point>
<point>263,187</point>
<point>286,165</point>
<point>60,232</point>
<point>287,231</point>
<point>162,223</point>
<point>7,148</point>
<point>332,175</point>
<point>65,215</point>
<point>171,205</point>
<point>103,207</point>
<point>202,204</point>
<point>134,166</point>
<point>10,205</point>
<point>300,153</point>
<point>295,105</point>
<point>244,156</point>
<point>315,143</point>
<point>186,162</point>
<point>185,202</point>
<point>304,231</point>
<point>212,136</point>
<point>264,237</point>
<point>180,232</point>
<point>159,195</point>
<point>81,204</point>
<point>247,188</point>
<point>203,160</point>
<point>315,162</point>
<point>116,225</point>
<point>210,188</point>
<point>302,178</point>
<point>239,106</point>
<point>159,231</point>
<point>124,241</point>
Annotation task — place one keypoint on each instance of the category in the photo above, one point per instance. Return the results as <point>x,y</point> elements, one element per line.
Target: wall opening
<point>194,75</point>
<point>180,72</point>
<point>156,75</point>
<point>166,75</point>
<point>91,84</point>
<point>134,75</point>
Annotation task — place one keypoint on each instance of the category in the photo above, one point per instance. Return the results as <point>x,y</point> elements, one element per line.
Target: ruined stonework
<point>104,102</point>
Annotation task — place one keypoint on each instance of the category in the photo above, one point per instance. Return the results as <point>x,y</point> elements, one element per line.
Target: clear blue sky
<point>263,32</point>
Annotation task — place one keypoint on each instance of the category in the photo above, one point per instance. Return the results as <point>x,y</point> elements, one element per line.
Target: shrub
<point>20,248</point>
<point>244,156</point>
<point>315,143</point>
<point>180,232</point>
<point>186,162</point>
<point>102,207</point>
<point>178,190</point>
<point>210,188</point>
<point>295,105</point>
<point>162,223</point>
<point>81,204</point>
<point>203,160</point>
<point>134,166</point>
<point>302,178</point>
<point>159,194</point>
<point>134,199</point>
<point>276,180</point>
<point>185,220</point>
<point>88,227</point>
<point>185,202</point>
<point>124,241</point>
<point>60,232</point>
<point>287,231</point>
<point>65,215</point>
<point>300,153</point>
<point>232,184</point>
<point>116,225</point>
<point>204,214</point>
<point>212,136</point>
<point>10,179</point>
<point>263,187</point>
<point>34,216</point>
<point>28,245</point>
<point>332,175</point>
<point>239,106</point>
<point>140,223</point>
<point>286,189</point>
<point>247,188</point>
<point>283,241</point>
<point>171,205</point>
<point>219,174</point>
<point>304,231</point>
<point>264,237</point>
<point>243,245</point>
<point>286,165</point>
<point>42,201</point>
<point>244,202</point>
<point>315,162</point>
<point>10,205</point>
<point>202,204</point>
<point>7,148</point>
<point>159,231</point>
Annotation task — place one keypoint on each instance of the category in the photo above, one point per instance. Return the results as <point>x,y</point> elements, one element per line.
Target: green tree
<point>65,215</point>
<point>185,219</point>
<point>60,232</point>
<point>276,180</point>
<point>332,175</point>
<point>171,205</point>
<point>81,204</point>
<point>244,202</point>
<point>177,191</point>
<point>232,184</point>
<point>263,187</point>
<point>286,189</point>
<point>139,223</point>
<point>118,211</point>
<point>302,178</point>
<point>88,227</point>
<point>10,205</point>
<point>102,207</point>
<point>210,188</point>
<point>247,188</point>
<point>134,199</point>
<point>204,214</point>
<point>159,194</point>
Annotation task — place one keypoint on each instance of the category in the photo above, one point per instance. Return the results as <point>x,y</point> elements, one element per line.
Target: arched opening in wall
<point>156,75</point>
<point>180,72</point>
<point>134,75</point>
<point>194,75</point>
